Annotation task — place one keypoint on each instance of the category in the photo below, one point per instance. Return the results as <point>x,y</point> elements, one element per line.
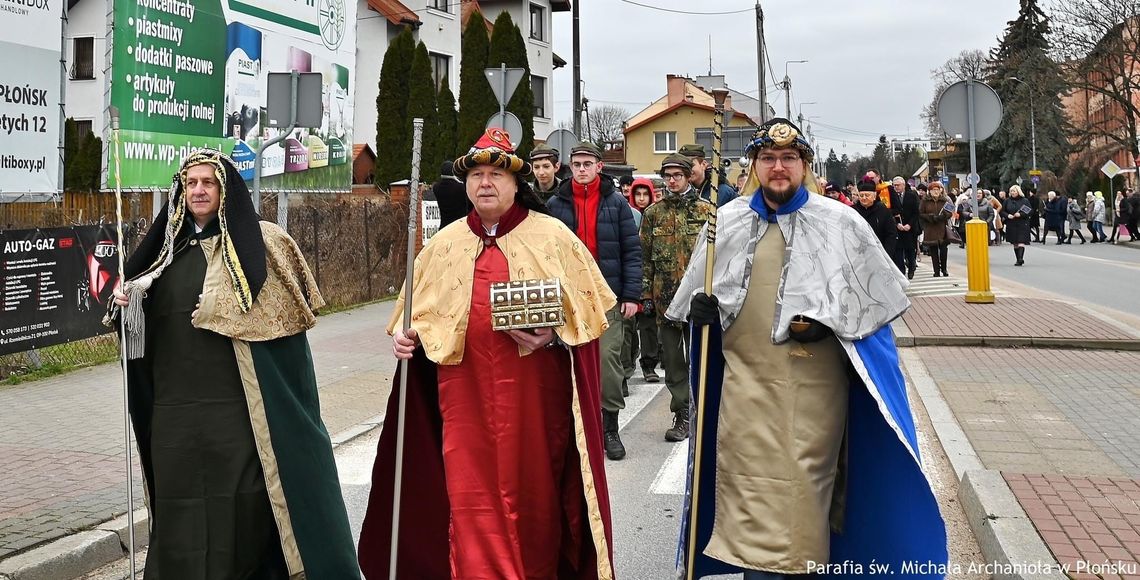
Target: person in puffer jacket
<point>593,208</point>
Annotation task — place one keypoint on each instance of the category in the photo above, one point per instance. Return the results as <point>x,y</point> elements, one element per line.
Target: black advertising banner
<point>55,284</point>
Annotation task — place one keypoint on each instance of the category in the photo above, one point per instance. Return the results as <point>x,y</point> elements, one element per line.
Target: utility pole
<point>577,73</point>
<point>763,96</point>
<point>788,88</point>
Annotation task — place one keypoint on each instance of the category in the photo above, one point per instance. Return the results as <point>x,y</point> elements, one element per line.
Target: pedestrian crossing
<point>925,284</point>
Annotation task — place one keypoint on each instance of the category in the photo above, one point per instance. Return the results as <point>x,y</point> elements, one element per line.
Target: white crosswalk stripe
<point>925,284</point>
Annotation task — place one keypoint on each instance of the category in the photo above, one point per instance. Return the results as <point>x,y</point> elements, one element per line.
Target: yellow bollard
<point>978,262</point>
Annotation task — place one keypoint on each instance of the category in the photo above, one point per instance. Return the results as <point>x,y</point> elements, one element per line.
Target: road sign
<point>1034,172</point>
<point>973,179</point>
<point>279,99</point>
<point>954,110</point>
<point>1036,179</point>
<point>563,140</point>
<point>504,81</point>
<point>1110,168</point>
<point>508,122</point>
<point>945,180</point>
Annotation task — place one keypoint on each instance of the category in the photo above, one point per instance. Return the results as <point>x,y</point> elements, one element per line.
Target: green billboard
<point>193,74</point>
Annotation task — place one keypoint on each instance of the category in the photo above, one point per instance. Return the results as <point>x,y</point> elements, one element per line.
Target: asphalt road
<point>1102,275</point>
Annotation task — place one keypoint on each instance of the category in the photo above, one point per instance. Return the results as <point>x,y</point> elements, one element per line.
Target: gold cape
<point>539,247</point>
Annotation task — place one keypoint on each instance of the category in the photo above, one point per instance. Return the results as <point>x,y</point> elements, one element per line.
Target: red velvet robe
<point>493,486</point>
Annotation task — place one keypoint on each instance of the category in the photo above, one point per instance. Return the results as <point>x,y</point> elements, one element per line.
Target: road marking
<point>670,478</point>
<point>640,394</point>
<point>1130,265</point>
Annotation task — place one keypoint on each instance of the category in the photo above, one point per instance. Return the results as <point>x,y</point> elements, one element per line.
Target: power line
<point>651,7</point>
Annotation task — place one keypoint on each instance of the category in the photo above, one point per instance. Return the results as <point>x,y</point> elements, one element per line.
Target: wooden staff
<point>123,347</point>
<point>413,206</point>
<point>719,96</point>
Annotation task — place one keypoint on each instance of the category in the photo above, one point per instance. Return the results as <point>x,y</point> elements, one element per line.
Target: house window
<point>537,22</point>
<point>82,128</point>
<point>732,147</point>
<point>538,87</point>
<point>440,64</point>
<point>83,58</point>
<point>664,141</point>
<point>441,5</point>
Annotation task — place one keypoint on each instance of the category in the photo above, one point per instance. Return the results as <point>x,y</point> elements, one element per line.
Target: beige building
<point>684,115</point>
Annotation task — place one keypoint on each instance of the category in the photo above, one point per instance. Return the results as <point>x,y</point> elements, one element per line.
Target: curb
<point>1022,342</point>
<point>83,552</point>
<point>1005,534</point>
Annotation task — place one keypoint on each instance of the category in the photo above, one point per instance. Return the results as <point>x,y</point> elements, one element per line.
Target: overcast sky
<point>869,60</point>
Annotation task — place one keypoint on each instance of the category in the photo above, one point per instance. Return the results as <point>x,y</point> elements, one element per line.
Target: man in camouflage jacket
<point>669,230</point>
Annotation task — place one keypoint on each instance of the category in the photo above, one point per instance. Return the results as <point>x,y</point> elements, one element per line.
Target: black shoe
<point>615,450</point>
<point>680,429</point>
<point>625,387</point>
<point>650,376</point>
<point>910,274</point>
<point>937,274</point>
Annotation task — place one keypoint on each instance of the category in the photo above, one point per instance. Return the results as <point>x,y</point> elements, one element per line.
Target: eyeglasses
<point>785,160</point>
<point>672,176</point>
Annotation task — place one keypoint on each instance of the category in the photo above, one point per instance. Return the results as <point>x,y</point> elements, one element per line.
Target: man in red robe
<point>503,471</point>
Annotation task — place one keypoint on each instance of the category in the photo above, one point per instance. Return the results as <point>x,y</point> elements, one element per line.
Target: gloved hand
<point>704,310</point>
<point>804,329</point>
<point>647,306</point>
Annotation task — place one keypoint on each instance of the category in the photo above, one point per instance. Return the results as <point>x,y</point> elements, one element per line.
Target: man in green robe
<point>240,476</point>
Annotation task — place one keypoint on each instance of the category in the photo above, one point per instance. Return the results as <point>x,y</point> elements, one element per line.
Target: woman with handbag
<point>1015,213</point>
<point>1075,215</point>
<point>934,212</point>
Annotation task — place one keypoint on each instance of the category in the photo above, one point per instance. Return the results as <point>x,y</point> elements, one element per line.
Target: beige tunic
<point>782,419</point>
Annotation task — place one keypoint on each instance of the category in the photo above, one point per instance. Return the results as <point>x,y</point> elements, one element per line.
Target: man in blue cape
<point>810,463</point>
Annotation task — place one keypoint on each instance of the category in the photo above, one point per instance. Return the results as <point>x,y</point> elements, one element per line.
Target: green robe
<point>239,468</point>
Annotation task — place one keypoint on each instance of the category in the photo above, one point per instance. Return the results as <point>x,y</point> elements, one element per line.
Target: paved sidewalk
<point>1062,428</point>
<point>1013,321</point>
<point>61,439</point>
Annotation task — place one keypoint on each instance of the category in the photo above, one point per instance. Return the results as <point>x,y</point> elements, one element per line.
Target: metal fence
<point>354,244</point>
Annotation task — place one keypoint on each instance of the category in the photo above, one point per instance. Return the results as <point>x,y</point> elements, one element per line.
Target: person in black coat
<point>1016,214</point>
<point>877,215</point>
<point>1056,212</point>
<point>451,195</point>
<point>908,226</point>
<point>1035,217</point>
<point>1133,199</point>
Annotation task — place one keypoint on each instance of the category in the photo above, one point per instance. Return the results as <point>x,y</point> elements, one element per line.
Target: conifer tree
<point>421,104</point>
<point>508,47</point>
<point>447,119</point>
<point>393,127</point>
<point>1023,53</point>
<point>476,100</point>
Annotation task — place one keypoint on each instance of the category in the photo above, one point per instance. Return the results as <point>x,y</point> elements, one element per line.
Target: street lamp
<point>1032,122</point>
<point>788,87</point>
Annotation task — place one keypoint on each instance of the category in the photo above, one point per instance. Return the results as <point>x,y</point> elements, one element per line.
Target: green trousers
<point>610,352</point>
<point>675,360</point>
<point>640,338</point>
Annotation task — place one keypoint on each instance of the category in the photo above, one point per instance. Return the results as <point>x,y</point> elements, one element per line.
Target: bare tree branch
<point>1098,44</point>
<point>969,64</point>
<point>605,123</point>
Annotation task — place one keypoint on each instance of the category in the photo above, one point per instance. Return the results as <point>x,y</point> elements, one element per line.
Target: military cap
<point>677,160</point>
<point>586,148</point>
<point>693,150</point>
<point>544,151</point>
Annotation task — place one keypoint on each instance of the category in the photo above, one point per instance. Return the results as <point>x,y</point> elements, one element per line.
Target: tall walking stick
<point>123,347</point>
<point>413,205</point>
<point>719,96</point>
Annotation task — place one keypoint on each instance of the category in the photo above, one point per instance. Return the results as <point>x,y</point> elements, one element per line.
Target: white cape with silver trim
<point>835,270</point>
